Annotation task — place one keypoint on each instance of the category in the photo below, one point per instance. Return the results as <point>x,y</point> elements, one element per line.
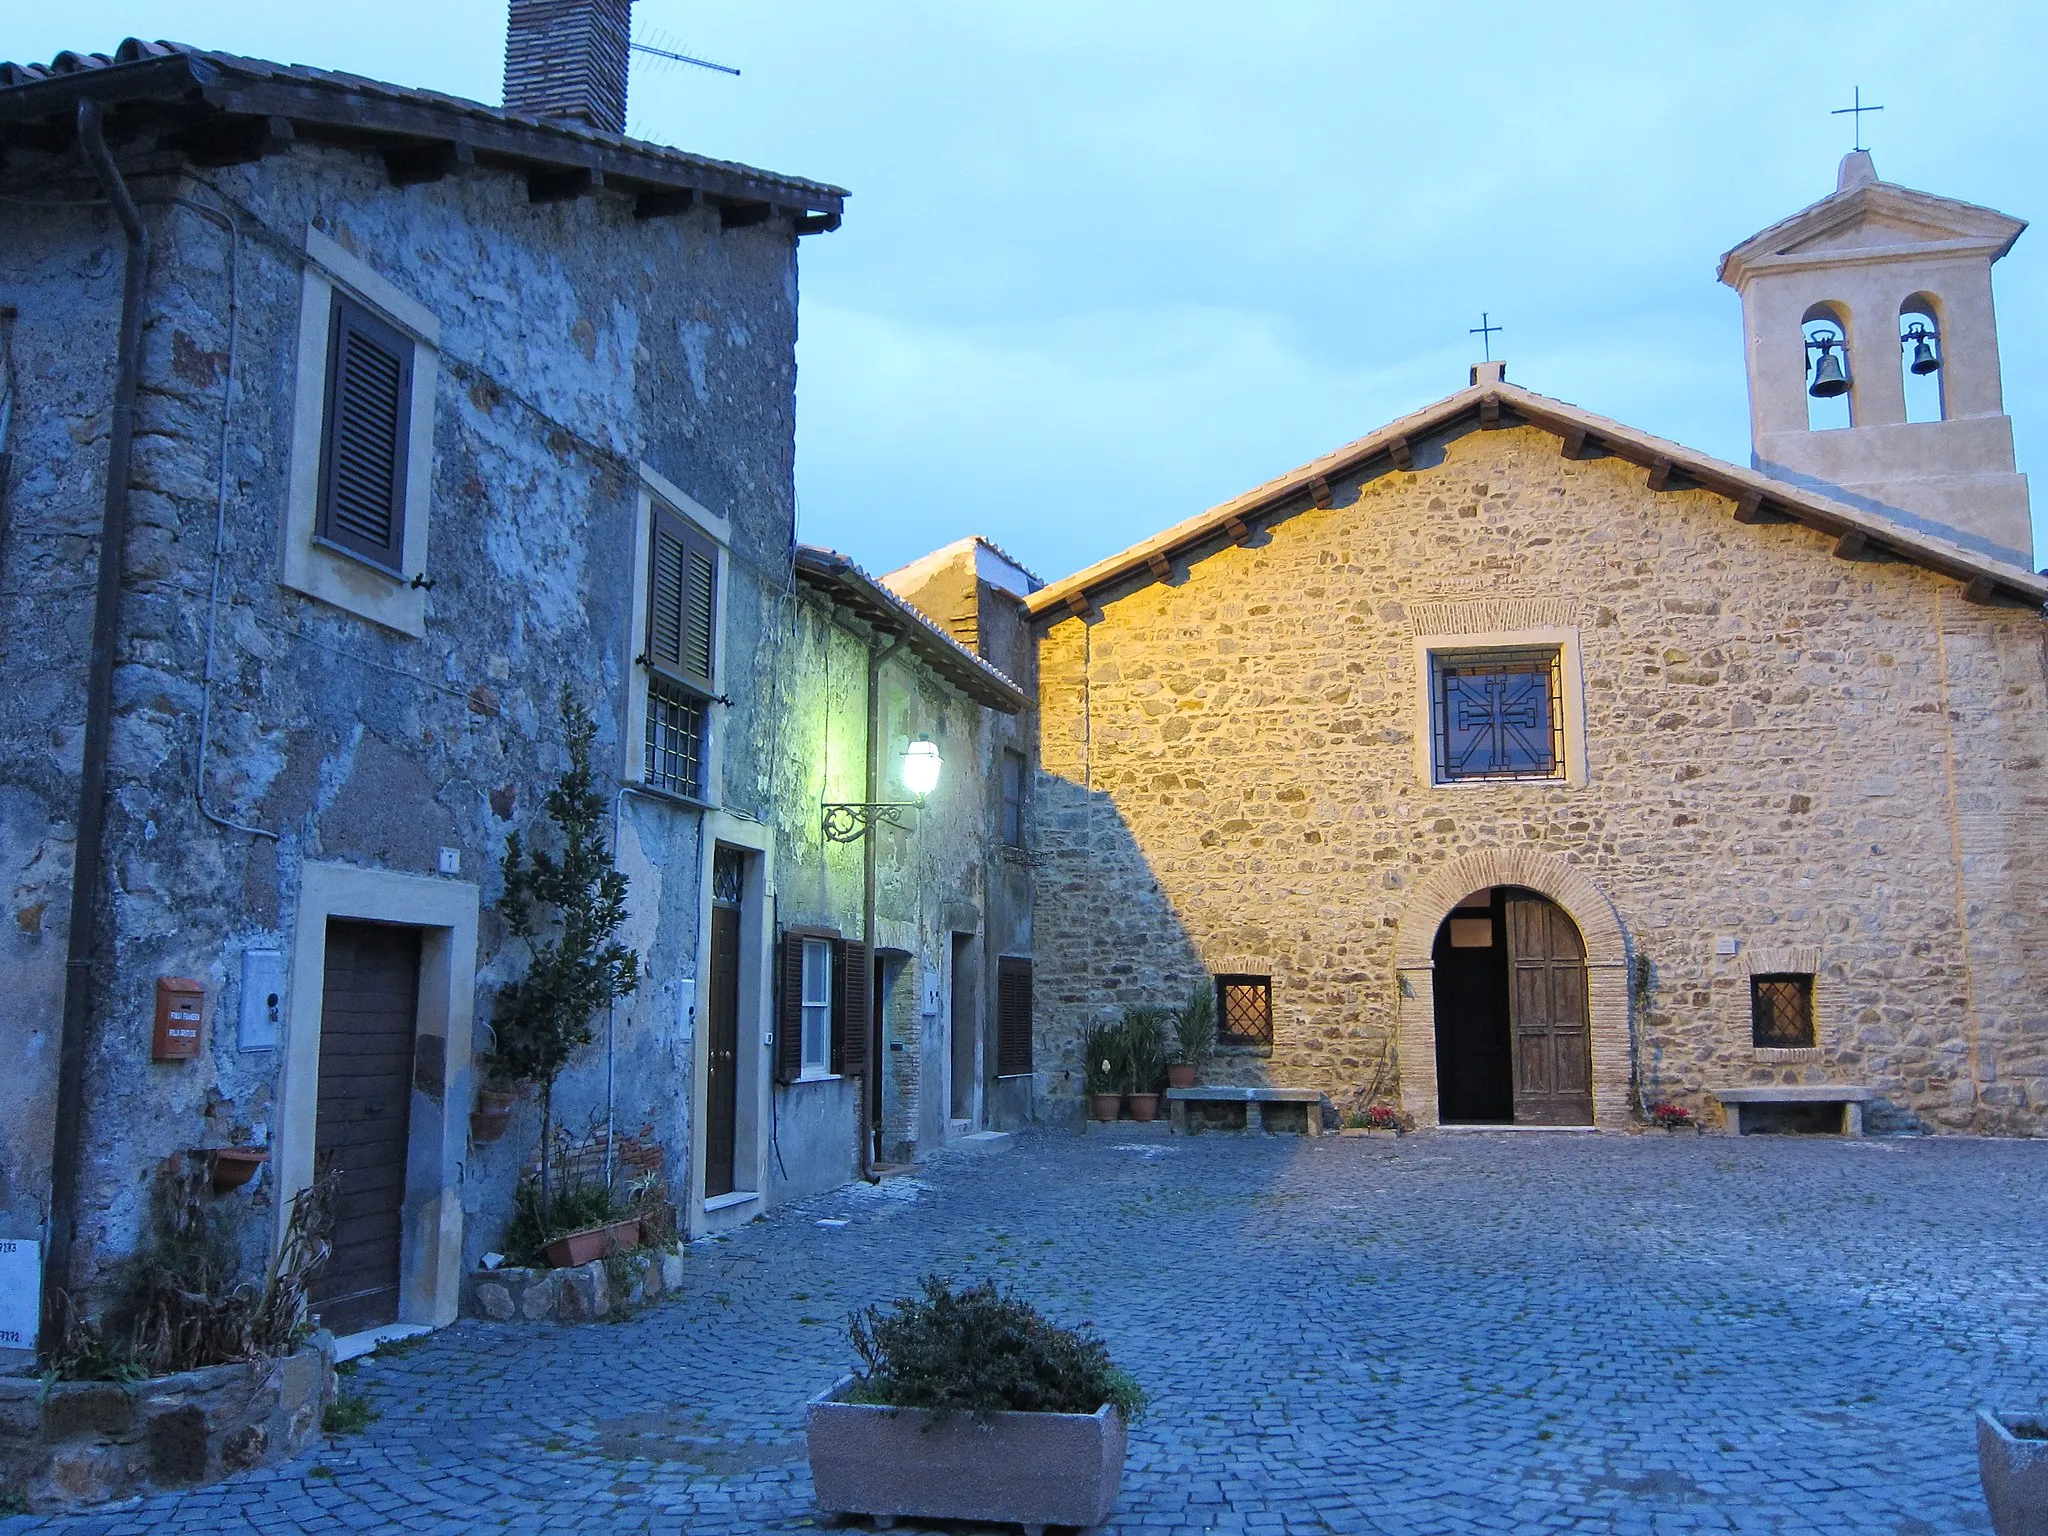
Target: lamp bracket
<point>850,822</point>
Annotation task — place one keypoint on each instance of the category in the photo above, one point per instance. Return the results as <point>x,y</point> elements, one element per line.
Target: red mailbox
<point>180,1008</point>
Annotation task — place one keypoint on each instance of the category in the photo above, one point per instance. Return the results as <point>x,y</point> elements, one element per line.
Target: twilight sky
<point>1107,264</point>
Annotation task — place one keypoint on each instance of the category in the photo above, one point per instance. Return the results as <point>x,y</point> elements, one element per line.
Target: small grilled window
<point>675,738</point>
<point>364,437</point>
<point>1244,1011</point>
<point>1781,1012</point>
<point>1497,715</point>
<point>1013,799</point>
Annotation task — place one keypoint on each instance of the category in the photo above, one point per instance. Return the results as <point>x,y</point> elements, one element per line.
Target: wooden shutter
<point>682,597</point>
<point>1013,1016</point>
<point>363,442</point>
<point>789,1015</point>
<point>850,985</point>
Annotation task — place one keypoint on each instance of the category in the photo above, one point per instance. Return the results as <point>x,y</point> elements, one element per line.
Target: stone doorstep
<point>86,1443</point>
<point>583,1293</point>
<point>983,1141</point>
<point>352,1346</point>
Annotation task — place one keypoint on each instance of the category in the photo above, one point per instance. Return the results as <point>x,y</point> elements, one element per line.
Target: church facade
<point>1512,766</point>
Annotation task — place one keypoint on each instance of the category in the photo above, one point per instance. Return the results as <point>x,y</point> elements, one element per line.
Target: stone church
<point>1510,765</point>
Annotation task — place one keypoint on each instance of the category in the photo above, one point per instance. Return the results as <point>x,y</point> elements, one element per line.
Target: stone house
<point>1511,765</point>
<point>400,415</point>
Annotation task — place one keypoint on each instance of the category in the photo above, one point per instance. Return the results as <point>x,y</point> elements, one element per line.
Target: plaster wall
<point>1814,757</point>
<point>575,344</point>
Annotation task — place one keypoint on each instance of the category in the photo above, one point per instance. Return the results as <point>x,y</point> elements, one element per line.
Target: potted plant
<point>1144,1060</point>
<point>1194,1033</point>
<point>972,1406</point>
<point>568,908</point>
<point>570,1224</point>
<point>1102,1049</point>
<point>1673,1117</point>
<point>232,1167</point>
<point>1375,1120</point>
<point>2012,1461</point>
<point>493,1112</point>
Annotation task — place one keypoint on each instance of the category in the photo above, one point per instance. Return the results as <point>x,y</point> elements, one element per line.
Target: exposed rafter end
<point>1661,475</point>
<point>1319,492</point>
<point>665,204</point>
<point>1489,413</point>
<point>1080,605</point>
<point>1573,445</point>
<point>1852,544</point>
<point>744,215</point>
<point>1160,566</point>
<point>817,223</point>
<point>1402,455</point>
<point>417,164</point>
<point>553,186</point>
<point>1979,589</point>
<point>1750,509</point>
<point>225,141</point>
<point>1239,530</point>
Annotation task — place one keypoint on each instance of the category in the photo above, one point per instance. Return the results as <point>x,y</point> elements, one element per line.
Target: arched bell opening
<point>1824,330</point>
<point>1513,1027</point>
<point>1921,356</point>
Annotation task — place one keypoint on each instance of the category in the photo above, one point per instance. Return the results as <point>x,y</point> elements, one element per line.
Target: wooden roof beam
<point>414,165</point>
<point>1489,413</point>
<point>558,186</point>
<point>1319,492</point>
<point>1402,455</point>
<point>1159,565</point>
<point>1662,471</point>
<point>1573,445</point>
<point>744,215</point>
<point>1979,589</point>
<point>225,141</point>
<point>1852,544</point>
<point>664,204</point>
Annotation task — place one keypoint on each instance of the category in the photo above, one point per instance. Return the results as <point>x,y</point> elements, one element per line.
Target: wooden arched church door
<point>1547,1013</point>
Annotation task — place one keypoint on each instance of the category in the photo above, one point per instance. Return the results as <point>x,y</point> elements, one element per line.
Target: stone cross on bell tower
<point>1868,265</point>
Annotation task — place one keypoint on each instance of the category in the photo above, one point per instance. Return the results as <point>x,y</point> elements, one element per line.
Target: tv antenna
<point>662,48</point>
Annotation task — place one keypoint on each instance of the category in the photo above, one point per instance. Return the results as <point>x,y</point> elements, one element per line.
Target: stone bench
<point>1850,1097</point>
<point>1254,1101</point>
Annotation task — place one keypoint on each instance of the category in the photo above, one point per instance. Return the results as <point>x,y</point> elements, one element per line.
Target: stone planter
<point>88,1442</point>
<point>2014,1470</point>
<point>586,1293</point>
<point>1033,1469</point>
<point>1144,1107</point>
<point>578,1248</point>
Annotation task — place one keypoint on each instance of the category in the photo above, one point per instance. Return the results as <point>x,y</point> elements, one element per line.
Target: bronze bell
<point>1830,378</point>
<point>1924,360</point>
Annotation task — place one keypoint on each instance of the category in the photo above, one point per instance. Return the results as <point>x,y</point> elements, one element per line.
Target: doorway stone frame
<point>1607,989</point>
<point>437,1133</point>
<point>755,1108</point>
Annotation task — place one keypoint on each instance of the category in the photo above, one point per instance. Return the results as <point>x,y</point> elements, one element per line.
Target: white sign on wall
<point>21,1284</point>
<point>934,990</point>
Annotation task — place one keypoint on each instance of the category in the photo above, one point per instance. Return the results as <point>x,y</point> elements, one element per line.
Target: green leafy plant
<point>1144,1063</point>
<point>540,1215</point>
<point>982,1351</point>
<point>1194,1024</point>
<point>349,1414</point>
<point>1102,1057</point>
<point>568,907</point>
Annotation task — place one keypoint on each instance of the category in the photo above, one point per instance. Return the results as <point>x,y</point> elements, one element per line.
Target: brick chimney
<point>567,59</point>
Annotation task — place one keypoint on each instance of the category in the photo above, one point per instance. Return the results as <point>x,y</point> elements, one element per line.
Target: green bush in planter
<point>1144,1061</point>
<point>982,1351</point>
<point>1103,1054</point>
<point>1194,1026</point>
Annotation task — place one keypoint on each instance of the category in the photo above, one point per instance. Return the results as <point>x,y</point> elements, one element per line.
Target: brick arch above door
<point>1607,989</point>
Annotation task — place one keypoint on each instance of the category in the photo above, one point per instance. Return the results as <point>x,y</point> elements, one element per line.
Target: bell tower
<point>1879,299</point>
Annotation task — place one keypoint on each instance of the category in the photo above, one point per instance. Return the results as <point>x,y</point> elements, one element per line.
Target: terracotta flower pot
<point>574,1248</point>
<point>235,1166</point>
<point>1144,1106</point>
<point>1181,1075</point>
<point>493,1113</point>
<point>1104,1106</point>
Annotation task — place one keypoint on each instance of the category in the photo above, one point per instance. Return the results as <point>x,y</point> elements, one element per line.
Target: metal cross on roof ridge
<point>1485,330</point>
<point>1855,114</point>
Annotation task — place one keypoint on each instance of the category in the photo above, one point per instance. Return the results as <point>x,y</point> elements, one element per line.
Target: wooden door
<point>1552,1031</point>
<point>368,1009</point>
<point>722,1076</point>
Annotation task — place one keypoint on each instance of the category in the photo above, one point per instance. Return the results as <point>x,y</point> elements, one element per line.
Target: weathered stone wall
<point>576,342</point>
<point>1805,753</point>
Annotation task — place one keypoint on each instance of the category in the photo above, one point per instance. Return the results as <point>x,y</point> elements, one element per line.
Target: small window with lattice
<point>1244,1012</point>
<point>1781,1013</point>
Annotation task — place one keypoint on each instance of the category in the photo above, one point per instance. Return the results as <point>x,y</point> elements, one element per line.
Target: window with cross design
<point>1497,715</point>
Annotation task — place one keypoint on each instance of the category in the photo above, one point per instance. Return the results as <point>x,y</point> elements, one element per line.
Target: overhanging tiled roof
<point>837,577</point>
<point>1755,497</point>
<point>221,107</point>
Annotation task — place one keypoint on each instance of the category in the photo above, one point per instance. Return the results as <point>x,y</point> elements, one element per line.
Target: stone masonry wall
<point>1802,752</point>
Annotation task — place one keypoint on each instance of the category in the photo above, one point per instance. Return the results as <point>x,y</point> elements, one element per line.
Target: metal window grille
<point>1781,1012</point>
<point>1497,715</point>
<point>728,877</point>
<point>1244,1010</point>
<point>675,738</point>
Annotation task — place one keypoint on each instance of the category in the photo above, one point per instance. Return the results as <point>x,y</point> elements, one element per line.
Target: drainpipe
<point>84,940</point>
<point>871,1091</point>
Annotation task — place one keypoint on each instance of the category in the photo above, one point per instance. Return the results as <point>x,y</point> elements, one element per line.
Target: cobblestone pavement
<point>1447,1333</point>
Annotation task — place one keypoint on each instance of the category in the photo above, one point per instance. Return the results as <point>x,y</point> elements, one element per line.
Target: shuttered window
<point>1013,799</point>
<point>850,1009</point>
<point>363,440</point>
<point>681,602</point>
<point>821,1025</point>
<point>1013,1016</point>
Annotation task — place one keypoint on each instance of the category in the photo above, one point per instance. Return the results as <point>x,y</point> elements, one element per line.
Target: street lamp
<point>850,822</point>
